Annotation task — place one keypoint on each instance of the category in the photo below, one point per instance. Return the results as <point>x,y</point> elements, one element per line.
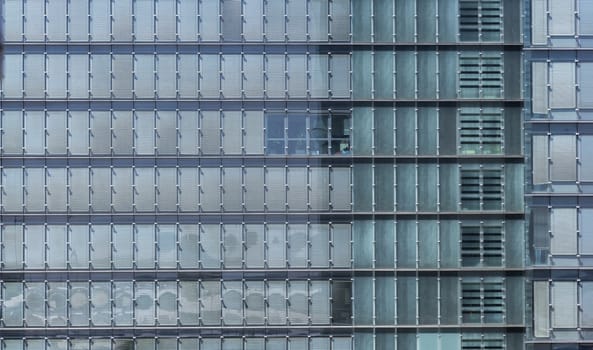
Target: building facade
<point>559,53</point>
<point>263,174</point>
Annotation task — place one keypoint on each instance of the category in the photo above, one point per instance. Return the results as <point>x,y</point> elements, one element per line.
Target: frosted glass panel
<point>562,17</point>
<point>562,82</point>
<point>231,76</point>
<point>564,303</point>
<point>563,154</point>
<point>210,132</point>
<point>144,20</point>
<point>564,231</point>
<point>166,20</point>
<point>56,75</point>
<point>166,77</point>
<point>539,25</point>
<point>209,18</point>
<point>99,20</point>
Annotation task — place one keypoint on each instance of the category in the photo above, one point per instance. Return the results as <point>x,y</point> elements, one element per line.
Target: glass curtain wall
<point>560,172</point>
<point>262,174</point>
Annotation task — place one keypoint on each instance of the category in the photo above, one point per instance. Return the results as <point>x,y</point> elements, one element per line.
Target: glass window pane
<point>99,19</point>
<point>35,304</point>
<point>12,132</point>
<point>145,246</point>
<point>166,19</point>
<point>210,306</point>
<point>167,303</point>
<point>166,76</point>
<point>167,246</point>
<point>56,246</point>
<point>210,246</point>
<point>144,20</point>
<point>144,78</point>
<point>145,303</point>
<point>122,246</point>
<point>78,248</point>
<point>123,303</point>
<point>276,245</point>
<point>12,306</point>
<point>12,246</point>
<point>79,304</point>
<point>35,247</point>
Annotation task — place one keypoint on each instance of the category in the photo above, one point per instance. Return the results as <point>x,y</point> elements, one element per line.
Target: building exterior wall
<point>559,172</point>
<point>249,174</point>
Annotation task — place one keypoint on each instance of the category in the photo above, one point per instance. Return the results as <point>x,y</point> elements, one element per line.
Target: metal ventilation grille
<point>481,189</point>
<point>480,20</point>
<point>480,75</point>
<point>482,300</point>
<point>485,342</point>
<point>482,245</point>
<point>481,131</point>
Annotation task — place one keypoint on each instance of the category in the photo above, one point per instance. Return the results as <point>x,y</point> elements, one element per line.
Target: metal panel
<point>144,125</point>
<point>188,20</point>
<point>586,162</point>
<point>562,82</point>
<point>144,189</point>
<point>166,75</point>
<point>562,17</point>
<point>210,189</point>
<point>231,76</point>
<point>563,154</point>
<point>231,20</point>
<point>564,304</point>
<point>166,20</point>
<point>122,189</point>
<point>564,231</point>
<point>56,75</point>
<point>78,18</point>
<point>144,20</point>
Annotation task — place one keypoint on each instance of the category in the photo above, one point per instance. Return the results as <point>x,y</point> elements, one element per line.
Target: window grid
<point>171,303</point>
<point>181,246</point>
